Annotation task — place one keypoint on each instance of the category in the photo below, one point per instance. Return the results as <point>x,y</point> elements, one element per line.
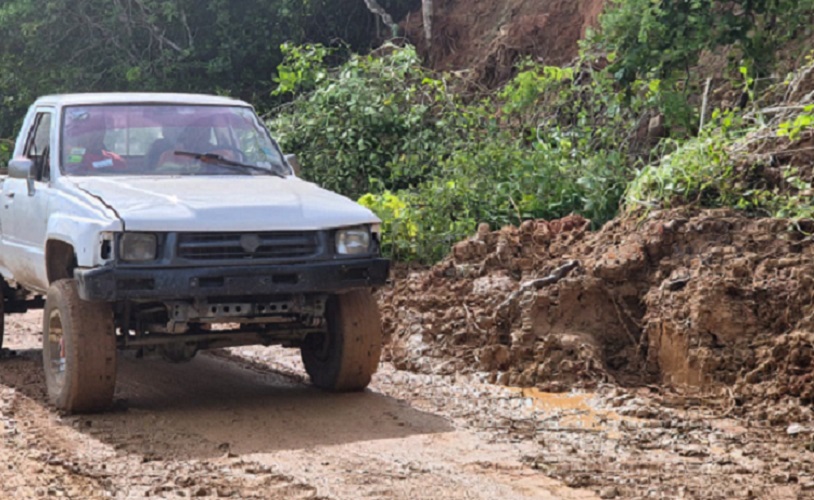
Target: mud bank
<point>707,300</point>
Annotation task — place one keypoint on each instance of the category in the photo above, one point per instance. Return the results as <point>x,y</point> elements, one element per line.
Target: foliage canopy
<point>226,46</point>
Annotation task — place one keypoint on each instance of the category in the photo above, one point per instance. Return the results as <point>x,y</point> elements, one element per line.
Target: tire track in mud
<point>222,427</point>
<point>96,456</point>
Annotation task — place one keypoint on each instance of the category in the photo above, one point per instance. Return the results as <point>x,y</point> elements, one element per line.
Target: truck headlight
<point>138,247</point>
<point>353,241</point>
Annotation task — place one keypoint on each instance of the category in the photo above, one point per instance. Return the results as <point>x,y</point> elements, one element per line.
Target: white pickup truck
<point>172,223</point>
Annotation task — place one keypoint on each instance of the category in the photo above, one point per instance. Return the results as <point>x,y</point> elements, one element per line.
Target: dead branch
<point>374,7</point>
<point>558,274</point>
<point>427,12</point>
<point>704,105</point>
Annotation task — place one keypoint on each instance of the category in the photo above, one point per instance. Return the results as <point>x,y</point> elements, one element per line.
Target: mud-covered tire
<point>78,350</point>
<point>349,355</point>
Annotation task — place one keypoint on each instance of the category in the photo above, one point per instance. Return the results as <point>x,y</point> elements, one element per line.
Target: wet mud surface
<point>242,425</point>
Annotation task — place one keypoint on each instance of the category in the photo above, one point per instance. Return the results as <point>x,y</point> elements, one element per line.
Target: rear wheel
<point>347,357</point>
<point>78,350</point>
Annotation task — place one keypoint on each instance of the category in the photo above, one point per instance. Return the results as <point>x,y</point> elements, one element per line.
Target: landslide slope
<point>488,36</point>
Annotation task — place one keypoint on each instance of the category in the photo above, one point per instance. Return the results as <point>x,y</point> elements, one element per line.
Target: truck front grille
<point>237,246</point>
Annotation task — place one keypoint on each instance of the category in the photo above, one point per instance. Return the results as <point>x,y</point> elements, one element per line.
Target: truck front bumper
<point>112,283</point>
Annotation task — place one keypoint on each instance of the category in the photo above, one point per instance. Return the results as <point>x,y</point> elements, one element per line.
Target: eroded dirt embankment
<point>710,300</point>
<point>488,37</point>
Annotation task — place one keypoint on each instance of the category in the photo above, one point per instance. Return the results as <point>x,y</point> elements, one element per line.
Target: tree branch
<point>537,284</point>
<point>427,11</point>
<point>374,7</point>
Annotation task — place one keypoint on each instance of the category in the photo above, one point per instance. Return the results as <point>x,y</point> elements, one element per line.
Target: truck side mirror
<point>22,168</point>
<point>294,162</point>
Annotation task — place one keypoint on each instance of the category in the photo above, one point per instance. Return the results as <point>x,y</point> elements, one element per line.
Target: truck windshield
<point>146,140</point>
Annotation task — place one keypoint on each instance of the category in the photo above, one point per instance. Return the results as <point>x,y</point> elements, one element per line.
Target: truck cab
<point>173,223</point>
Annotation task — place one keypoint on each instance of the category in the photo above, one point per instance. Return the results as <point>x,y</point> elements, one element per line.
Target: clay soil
<point>709,300</point>
<point>486,37</point>
<point>707,315</point>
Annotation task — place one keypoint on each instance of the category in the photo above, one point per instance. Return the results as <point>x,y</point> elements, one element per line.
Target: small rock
<point>693,451</point>
<point>609,492</point>
<point>795,429</point>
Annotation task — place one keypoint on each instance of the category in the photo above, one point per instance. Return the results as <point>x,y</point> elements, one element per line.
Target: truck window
<point>39,146</point>
<point>144,139</point>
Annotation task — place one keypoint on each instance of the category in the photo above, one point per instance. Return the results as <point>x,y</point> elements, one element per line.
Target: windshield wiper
<point>214,158</point>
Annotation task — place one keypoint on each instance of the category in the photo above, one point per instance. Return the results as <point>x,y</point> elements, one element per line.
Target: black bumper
<point>110,284</point>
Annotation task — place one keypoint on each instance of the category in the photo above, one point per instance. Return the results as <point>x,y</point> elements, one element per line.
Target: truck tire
<point>346,358</point>
<point>78,350</point>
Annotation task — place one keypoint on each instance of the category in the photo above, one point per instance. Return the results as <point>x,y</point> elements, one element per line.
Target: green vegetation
<point>719,169</point>
<point>434,162</point>
<point>658,38</point>
<point>230,47</point>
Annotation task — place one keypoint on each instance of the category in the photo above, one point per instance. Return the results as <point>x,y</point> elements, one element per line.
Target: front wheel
<point>78,350</point>
<point>347,356</point>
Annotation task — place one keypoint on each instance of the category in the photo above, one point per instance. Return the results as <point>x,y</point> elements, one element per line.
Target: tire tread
<point>90,339</point>
<point>354,359</point>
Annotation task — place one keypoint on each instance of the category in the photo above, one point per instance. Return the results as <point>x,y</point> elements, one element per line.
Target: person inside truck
<point>85,149</point>
<point>167,142</point>
<point>196,139</point>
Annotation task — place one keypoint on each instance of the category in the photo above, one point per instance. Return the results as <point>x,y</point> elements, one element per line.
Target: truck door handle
<point>10,194</point>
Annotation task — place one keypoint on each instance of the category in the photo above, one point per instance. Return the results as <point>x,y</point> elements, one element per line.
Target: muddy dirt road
<point>221,426</point>
<point>244,424</point>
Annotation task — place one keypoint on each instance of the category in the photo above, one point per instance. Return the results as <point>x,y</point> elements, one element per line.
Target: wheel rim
<point>56,349</point>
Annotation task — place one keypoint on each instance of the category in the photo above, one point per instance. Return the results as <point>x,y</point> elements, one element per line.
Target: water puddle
<point>570,411</point>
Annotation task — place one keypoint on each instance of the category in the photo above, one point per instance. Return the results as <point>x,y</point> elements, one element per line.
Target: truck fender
<point>81,234</point>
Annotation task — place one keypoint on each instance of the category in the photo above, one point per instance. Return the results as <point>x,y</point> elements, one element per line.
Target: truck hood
<point>223,203</point>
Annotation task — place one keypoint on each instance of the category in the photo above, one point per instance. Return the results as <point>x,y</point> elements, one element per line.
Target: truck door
<point>24,214</point>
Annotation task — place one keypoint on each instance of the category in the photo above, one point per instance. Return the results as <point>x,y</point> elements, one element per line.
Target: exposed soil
<point>488,37</point>
<point>712,301</point>
<point>243,424</point>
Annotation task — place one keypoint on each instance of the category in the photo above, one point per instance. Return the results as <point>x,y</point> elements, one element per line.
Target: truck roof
<point>137,98</point>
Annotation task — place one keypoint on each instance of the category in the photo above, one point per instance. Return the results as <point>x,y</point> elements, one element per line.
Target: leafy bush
<point>717,169</point>
<point>697,172</point>
<point>658,38</point>
<point>6,149</point>
<point>793,128</point>
<point>369,119</point>
<point>397,227</point>
<point>433,163</point>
